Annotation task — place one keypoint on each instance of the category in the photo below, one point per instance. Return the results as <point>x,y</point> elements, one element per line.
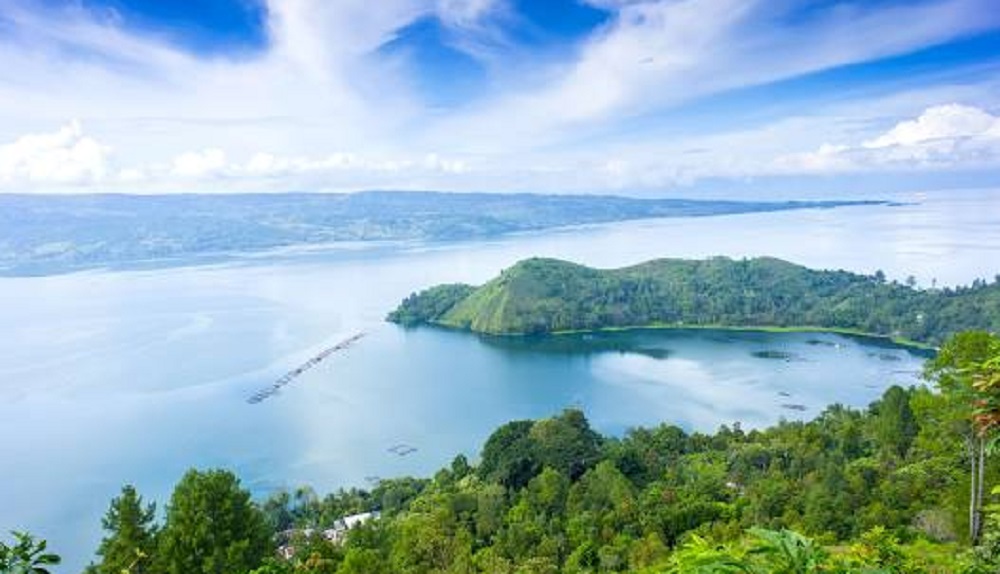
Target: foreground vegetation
<point>539,296</point>
<point>902,486</point>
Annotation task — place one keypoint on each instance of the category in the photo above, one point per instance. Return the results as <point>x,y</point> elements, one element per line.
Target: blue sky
<point>668,97</point>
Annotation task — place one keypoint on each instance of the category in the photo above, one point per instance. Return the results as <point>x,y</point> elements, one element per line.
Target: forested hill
<point>546,295</point>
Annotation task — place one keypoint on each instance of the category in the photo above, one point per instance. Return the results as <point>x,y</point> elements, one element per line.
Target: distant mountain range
<point>542,296</point>
<point>51,234</point>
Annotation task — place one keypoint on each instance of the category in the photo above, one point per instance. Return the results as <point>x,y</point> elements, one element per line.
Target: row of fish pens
<point>288,377</point>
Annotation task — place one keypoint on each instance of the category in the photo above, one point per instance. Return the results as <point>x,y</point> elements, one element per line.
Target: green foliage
<point>951,367</point>
<point>274,566</point>
<point>784,552</point>
<point>662,499</point>
<point>566,443</point>
<point>430,304</point>
<point>968,372</point>
<point>987,554</point>
<point>509,456</point>
<point>26,556</point>
<point>698,556</point>
<point>547,295</point>
<point>130,537</point>
<point>212,527</point>
<point>518,450</point>
<point>363,561</point>
<point>895,425</point>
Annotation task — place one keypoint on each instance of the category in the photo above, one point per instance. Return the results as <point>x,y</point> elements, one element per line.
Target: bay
<point>118,376</point>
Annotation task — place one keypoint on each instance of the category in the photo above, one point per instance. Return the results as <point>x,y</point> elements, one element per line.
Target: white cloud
<point>67,159</point>
<point>941,137</point>
<point>65,156</point>
<point>464,13</point>
<point>131,175</point>
<point>940,123</point>
<point>434,162</point>
<point>199,164</point>
<point>828,158</point>
<point>269,165</point>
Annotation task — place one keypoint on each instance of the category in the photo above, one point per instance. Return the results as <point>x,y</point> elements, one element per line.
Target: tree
<point>130,541</point>
<point>567,443</point>
<point>26,556</point>
<point>986,384</point>
<point>429,540</point>
<point>362,561</point>
<point>509,456</point>
<point>987,554</point>
<point>278,510</point>
<point>967,370</point>
<point>895,425</point>
<point>212,527</point>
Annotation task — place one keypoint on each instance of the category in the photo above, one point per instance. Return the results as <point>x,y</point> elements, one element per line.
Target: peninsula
<point>549,296</point>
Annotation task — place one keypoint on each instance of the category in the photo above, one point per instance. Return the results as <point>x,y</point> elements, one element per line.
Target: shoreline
<point>899,341</point>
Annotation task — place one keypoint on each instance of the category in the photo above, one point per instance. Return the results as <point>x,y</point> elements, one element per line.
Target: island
<point>550,296</point>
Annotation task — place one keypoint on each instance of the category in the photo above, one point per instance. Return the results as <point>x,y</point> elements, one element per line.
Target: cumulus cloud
<point>944,136</point>
<point>67,159</point>
<point>940,124</point>
<point>65,156</point>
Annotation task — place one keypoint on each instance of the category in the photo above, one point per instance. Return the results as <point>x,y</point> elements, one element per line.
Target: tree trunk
<point>973,475</point>
<point>979,493</point>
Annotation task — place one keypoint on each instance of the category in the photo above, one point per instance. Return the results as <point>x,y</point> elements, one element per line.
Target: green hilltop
<point>540,296</point>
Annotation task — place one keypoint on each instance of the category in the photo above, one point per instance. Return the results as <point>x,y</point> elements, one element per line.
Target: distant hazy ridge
<point>53,234</point>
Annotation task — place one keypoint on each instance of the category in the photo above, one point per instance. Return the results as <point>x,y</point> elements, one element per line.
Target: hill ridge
<point>545,295</point>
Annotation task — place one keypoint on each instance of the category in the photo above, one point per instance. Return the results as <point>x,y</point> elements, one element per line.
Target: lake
<point>118,376</point>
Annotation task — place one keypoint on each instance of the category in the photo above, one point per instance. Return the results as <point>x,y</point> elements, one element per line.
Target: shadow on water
<point>578,344</point>
<point>648,343</point>
<point>887,344</point>
<point>655,343</point>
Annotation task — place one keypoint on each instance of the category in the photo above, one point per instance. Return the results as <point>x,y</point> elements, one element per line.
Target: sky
<point>639,97</point>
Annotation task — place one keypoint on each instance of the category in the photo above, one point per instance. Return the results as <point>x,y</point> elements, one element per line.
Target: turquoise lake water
<point>117,376</point>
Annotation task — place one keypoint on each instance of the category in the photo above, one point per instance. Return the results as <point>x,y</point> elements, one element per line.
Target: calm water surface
<point>134,376</point>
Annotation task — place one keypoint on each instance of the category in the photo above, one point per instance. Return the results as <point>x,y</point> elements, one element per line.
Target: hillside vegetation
<point>538,296</point>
